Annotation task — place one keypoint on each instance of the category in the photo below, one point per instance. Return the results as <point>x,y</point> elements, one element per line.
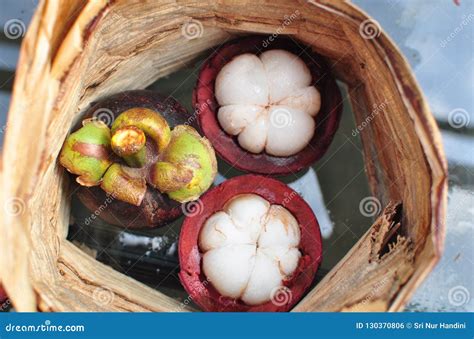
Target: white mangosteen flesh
<point>268,102</point>
<point>250,248</point>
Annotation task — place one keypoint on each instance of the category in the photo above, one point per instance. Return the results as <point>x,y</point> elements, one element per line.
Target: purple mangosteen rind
<point>173,112</point>
<point>227,146</point>
<point>191,274</point>
<point>156,208</point>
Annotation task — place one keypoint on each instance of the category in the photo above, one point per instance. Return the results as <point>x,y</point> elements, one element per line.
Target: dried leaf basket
<point>77,51</point>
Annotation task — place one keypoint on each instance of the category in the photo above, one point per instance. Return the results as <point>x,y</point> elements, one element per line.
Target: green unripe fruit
<point>86,152</point>
<point>187,167</point>
<point>124,183</point>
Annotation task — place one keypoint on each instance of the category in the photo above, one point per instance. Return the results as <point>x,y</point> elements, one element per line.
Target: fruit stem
<point>129,143</point>
<point>150,122</point>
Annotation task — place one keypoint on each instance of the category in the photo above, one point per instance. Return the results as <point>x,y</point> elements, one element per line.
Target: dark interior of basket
<point>334,186</point>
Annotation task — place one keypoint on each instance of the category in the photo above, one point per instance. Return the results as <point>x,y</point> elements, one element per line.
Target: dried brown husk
<point>78,51</point>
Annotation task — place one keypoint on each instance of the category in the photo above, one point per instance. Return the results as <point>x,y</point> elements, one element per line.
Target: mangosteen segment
<point>268,102</point>
<point>250,248</point>
<point>268,122</point>
<point>255,246</point>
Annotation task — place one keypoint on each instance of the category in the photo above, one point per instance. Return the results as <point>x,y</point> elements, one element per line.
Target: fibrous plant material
<point>77,52</point>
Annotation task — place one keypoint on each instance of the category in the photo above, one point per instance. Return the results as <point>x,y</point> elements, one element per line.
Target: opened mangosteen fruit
<point>254,246</point>
<point>138,155</point>
<point>267,108</point>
